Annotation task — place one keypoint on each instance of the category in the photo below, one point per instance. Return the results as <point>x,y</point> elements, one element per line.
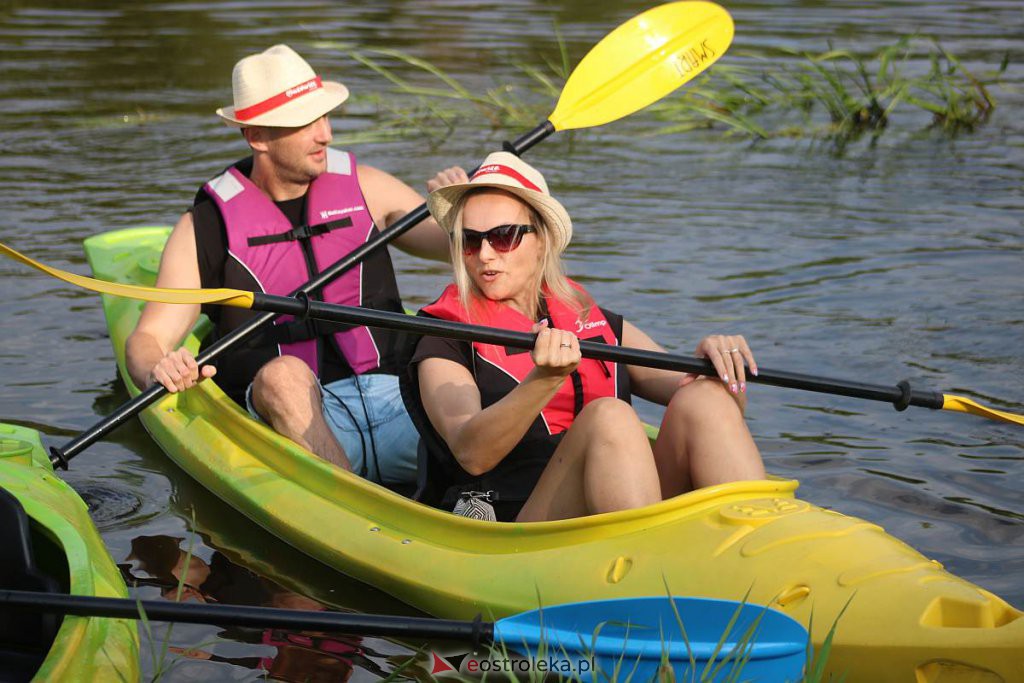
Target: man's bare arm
<point>151,351</point>
<point>390,199</point>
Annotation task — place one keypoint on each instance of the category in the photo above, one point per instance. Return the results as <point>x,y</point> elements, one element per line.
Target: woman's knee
<point>611,419</point>
<point>701,400</point>
<point>607,409</point>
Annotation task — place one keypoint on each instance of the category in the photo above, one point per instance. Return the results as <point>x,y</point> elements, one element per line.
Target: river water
<point>892,259</point>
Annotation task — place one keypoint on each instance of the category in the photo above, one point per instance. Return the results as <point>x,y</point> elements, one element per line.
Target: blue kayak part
<point>630,638</point>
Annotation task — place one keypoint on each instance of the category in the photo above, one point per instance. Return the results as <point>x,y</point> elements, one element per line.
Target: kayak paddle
<point>709,638</point>
<point>901,395</point>
<point>638,63</point>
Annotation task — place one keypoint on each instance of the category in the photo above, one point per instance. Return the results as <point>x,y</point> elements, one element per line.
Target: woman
<point>548,435</point>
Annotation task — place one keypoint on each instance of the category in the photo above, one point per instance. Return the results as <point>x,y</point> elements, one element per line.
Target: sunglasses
<point>503,238</point>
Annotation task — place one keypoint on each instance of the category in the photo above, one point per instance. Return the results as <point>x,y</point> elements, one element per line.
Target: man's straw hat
<point>279,88</point>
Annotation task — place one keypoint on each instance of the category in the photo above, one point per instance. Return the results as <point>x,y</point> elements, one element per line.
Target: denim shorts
<point>369,420</point>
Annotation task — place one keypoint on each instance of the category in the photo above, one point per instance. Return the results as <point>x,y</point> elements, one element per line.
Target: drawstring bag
<point>475,505</point>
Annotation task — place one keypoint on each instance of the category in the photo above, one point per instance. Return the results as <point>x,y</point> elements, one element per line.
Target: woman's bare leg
<point>603,463</point>
<point>704,440</point>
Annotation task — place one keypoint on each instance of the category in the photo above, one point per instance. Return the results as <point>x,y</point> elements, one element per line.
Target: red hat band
<point>279,99</point>
<point>515,175</point>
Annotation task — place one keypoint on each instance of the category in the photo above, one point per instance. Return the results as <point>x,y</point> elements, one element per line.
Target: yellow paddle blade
<point>641,61</point>
<point>225,297</point>
<point>960,404</point>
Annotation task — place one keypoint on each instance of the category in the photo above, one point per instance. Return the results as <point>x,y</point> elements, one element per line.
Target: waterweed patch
<point>836,95</point>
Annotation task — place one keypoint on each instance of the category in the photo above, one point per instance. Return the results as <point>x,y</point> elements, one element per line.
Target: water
<point>901,259</point>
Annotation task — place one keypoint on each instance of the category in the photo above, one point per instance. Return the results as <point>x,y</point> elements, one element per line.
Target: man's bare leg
<point>286,394</point>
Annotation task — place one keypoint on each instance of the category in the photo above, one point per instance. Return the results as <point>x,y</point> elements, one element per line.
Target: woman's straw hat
<point>506,171</point>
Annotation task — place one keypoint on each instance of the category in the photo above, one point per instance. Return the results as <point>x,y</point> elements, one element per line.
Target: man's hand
<point>449,176</point>
<point>178,371</point>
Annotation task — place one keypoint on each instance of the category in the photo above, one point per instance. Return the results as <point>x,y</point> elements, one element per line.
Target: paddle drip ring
<point>304,298</point>
<point>477,636</point>
<point>903,402</point>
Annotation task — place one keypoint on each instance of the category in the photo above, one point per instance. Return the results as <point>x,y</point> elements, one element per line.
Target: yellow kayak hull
<point>905,619</point>
<point>85,648</point>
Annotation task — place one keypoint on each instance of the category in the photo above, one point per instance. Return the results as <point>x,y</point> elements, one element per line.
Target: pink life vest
<point>263,240</point>
<point>596,379</point>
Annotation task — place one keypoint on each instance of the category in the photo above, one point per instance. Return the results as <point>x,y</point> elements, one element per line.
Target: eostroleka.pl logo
<point>505,664</point>
<point>440,666</point>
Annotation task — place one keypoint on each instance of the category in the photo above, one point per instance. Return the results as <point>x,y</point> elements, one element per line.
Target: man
<point>270,223</point>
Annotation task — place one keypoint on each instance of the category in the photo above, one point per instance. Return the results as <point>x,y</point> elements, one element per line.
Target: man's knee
<point>283,376</point>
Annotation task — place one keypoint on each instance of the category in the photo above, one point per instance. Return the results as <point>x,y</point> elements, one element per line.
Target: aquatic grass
<point>428,103</point>
<point>814,670</point>
<point>836,95</point>
<point>162,665</point>
<point>411,666</point>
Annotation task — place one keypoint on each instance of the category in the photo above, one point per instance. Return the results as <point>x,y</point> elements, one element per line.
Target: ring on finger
<point>735,350</point>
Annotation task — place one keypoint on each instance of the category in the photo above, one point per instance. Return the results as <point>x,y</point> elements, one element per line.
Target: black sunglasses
<point>503,238</point>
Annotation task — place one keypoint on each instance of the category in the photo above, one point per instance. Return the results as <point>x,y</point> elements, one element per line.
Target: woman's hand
<point>556,353</point>
<point>727,353</point>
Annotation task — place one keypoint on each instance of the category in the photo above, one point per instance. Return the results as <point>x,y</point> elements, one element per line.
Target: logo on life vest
<point>337,212</point>
<point>580,325</point>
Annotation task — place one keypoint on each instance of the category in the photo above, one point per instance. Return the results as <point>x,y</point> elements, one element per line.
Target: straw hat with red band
<point>278,88</point>
<point>506,171</point>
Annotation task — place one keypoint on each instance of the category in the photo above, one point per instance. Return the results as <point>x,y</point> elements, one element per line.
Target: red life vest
<point>263,240</point>
<point>591,380</point>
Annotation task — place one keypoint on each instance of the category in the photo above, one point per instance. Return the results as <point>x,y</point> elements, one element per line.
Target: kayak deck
<point>905,615</point>
<point>85,648</point>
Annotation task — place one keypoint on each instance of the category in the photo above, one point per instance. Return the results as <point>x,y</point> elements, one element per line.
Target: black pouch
<point>476,505</point>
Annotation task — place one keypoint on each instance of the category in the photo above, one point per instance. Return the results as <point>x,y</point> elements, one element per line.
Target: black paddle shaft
<point>901,395</point>
<point>60,456</point>
<point>476,632</point>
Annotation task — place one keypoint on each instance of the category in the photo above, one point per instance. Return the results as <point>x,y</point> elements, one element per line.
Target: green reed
<point>725,664</point>
<point>427,103</point>
<point>835,95</point>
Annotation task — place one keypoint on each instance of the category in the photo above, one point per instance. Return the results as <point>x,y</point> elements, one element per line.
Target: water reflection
<point>180,575</point>
<point>897,258</point>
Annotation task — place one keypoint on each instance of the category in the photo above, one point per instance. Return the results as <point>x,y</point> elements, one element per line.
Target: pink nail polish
<point>743,387</point>
<point>734,388</point>
<point>725,378</point>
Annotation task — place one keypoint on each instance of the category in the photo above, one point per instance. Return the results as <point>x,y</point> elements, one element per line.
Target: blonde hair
<point>551,276</point>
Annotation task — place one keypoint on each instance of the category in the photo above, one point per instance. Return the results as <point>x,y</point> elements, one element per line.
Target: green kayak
<point>906,618</point>
<point>64,553</point>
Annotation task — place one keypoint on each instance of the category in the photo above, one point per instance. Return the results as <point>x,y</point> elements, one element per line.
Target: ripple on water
<point>109,505</point>
<point>895,257</point>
